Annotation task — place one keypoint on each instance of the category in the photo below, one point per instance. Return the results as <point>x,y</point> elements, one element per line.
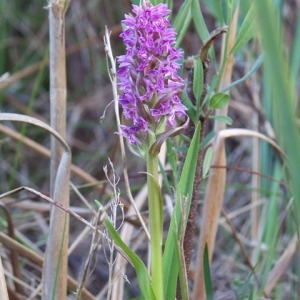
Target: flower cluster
<point>148,74</point>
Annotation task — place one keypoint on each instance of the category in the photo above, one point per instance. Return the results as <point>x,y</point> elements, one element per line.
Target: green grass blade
<point>199,21</point>
<point>184,192</point>
<point>183,20</point>
<point>182,274</point>
<point>155,2</point>
<point>141,271</point>
<point>271,227</point>
<point>207,277</point>
<point>283,92</point>
<point>224,5</point>
<point>295,57</point>
<point>207,161</point>
<point>246,31</point>
<point>169,3</point>
<point>185,185</point>
<point>198,79</point>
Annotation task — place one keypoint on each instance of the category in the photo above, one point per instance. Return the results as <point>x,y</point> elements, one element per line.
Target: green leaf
<point>183,20</point>
<point>201,27</point>
<point>179,257</point>
<point>184,192</point>
<point>246,31</point>
<point>295,57</point>
<point>169,3</point>
<point>207,139</point>
<point>271,223</point>
<point>224,5</point>
<point>224,119</point>
<point>212,87</point>
<point>207,277</point>
<point>219,101</point>
<point>143,278</point>
<point>207,161</point>
<point>199,21</point>
<point>189,105</point>
<point>198,80</point>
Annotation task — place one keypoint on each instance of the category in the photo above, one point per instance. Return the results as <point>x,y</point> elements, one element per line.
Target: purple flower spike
<point>148,76</point>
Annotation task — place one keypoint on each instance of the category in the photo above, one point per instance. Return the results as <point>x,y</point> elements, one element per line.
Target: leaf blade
<point>184,190</point>
<point>141,271</point>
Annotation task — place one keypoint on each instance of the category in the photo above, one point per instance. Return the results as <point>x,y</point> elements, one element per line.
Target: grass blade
<point>283,92</point>
<point>207,277</point>
<point>246,31</point>
<point>141,271</point>
<point>183,20</point>
<point>199,21</point>
<point>184,191</point>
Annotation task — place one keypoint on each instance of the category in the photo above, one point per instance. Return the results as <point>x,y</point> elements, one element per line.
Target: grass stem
<point>155,220</point>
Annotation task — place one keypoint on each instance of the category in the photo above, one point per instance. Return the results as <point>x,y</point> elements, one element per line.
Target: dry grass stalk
<point>216,184</point>
<point>3,288</point>
<point>281,265</point>
<point>56,256</point>
<point>14,257</point>
<point>256,166</point>
<point>58,89</point>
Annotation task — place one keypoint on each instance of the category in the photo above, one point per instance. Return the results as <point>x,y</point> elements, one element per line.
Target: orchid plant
<point>152,110</point>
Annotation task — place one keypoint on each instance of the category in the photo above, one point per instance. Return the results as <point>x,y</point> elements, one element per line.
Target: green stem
<point>155,220</point>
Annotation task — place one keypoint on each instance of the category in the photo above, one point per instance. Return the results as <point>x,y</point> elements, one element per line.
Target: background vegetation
<point>256,250</point>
